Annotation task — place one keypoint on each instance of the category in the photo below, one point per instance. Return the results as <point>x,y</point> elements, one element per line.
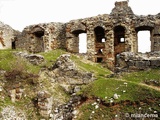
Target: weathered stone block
<point>155,63</point>
<point>131,63</point>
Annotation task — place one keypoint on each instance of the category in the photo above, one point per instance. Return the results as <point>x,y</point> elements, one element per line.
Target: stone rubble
<point>12,113</point>
<point>67,111</point>
<point>65,71</point>
<point>45,102</point>
<point>116,96</point>
<point>16,94</point>
<point>138,61</point>
<point>34,59</point>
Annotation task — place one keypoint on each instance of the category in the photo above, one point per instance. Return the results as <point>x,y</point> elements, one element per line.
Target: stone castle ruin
<point>107,35</point>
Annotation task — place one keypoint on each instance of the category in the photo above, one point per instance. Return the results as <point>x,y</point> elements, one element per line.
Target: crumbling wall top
<point>121,8</point>
<point>121,4</point>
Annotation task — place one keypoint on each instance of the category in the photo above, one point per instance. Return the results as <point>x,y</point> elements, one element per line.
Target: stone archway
<point>37,39</point>
<point>100,34</point>
<point>119,39</point>
<point>100,40</point>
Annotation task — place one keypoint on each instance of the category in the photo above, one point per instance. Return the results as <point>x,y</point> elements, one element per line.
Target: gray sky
<point>21,13</point>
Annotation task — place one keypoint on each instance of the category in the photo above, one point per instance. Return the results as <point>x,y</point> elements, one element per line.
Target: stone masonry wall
<point>137,61</point>
<point>107,35</point>
<point>42,37</point>
<point>120,23</point>
<point>7,36</point>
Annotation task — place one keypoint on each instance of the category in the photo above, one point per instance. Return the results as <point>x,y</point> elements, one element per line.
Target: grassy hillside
<point>138,92</point>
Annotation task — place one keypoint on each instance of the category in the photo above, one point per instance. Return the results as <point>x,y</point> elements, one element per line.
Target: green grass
<point>96,68</point>
<point>141,76</point>
<point>106,87</point>
<point>117,112</point>
<point>102,113</point>
<point>6,58</point>
<point>103,88</point>
<point>8,62</point>
<point>51,56</point>
<point>134,92</point>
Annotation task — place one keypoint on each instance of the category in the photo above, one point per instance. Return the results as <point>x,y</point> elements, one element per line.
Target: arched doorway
<point>37,39</point>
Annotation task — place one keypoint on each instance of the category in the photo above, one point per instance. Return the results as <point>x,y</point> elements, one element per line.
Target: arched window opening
<point>37,37</point>
<point>100,40</point>
<point>99,34</point>
<point>39,34</point>
<point>119,41</point>
<point>119,35</point>
<point>99,59</point>
<point>38,31</point>
<point>82,43</point>
<point>144,43</point>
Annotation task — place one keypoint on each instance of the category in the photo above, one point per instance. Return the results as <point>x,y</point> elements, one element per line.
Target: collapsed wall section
<point>137,61</point>
<point>42,37</point>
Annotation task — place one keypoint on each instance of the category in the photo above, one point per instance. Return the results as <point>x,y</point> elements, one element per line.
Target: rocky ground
<point>49,100</point>
<point>62,86</point>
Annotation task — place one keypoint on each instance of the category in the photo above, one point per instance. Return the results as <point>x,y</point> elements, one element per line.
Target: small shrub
<point>19,72</point>
<point>17,69</point>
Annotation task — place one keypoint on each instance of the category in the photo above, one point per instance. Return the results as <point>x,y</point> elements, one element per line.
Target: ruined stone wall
<point>73,29</point>
<point>87,25</point>
<point>137,61</point>
<point>7,36</point>
<point>107,35</point>
<point>120,23</point>
<point>156,36</point>
<point>102,27</point>
<point>42,37</point>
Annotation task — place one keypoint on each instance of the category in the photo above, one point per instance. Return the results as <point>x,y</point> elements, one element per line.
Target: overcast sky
<point>21,13</point>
